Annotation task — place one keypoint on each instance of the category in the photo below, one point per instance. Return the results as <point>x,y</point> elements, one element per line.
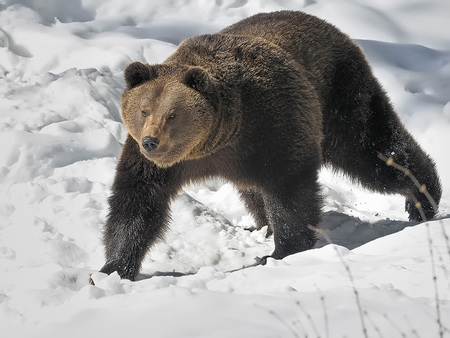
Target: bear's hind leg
<point>368,125</point>
<point>254,202</point>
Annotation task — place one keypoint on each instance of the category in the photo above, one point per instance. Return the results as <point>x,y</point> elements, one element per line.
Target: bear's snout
<point>150,143</point>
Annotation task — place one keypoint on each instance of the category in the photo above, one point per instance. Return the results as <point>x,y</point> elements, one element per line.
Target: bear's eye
<point>144,113</point>
<point>172,116</point>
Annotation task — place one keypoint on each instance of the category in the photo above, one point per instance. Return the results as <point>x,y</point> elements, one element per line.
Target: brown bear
<point>263,103</point>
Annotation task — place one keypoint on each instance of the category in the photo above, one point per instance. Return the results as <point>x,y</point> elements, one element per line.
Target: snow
<point>61,69</point>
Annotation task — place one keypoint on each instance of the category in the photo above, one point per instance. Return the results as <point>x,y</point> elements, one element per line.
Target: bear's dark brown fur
<point>263,103</point>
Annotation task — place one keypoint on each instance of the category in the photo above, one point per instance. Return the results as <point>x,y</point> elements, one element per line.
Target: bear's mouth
<point>153,154</point>
<point>160,158</point>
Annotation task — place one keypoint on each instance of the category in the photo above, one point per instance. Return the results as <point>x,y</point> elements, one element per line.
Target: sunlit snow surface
<point>61,68</point>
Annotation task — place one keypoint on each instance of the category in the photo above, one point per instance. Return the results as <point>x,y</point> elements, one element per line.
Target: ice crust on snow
<point>61,79</point>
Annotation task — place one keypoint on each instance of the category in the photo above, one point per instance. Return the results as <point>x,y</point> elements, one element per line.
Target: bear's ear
<point>137,73</point>
<point>197,78</point>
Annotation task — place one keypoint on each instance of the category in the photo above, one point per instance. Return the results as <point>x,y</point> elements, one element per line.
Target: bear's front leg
<point>291,211</point>
<point>139,211</point>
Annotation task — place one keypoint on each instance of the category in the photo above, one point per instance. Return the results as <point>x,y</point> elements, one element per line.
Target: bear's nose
<point>150,143</point>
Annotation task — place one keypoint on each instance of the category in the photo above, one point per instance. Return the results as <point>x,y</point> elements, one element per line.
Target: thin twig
<point>311,321</point>
<point>350,276</point>
<point>422,187</point>
<point>281,319</point>
<point>418,205</point>
<point>325,314</point>
<point>436,292</point>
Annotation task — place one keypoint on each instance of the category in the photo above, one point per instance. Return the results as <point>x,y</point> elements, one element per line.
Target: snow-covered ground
<point>61,68</point>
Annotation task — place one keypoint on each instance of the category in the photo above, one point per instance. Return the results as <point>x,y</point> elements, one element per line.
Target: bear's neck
<point>225,132</point>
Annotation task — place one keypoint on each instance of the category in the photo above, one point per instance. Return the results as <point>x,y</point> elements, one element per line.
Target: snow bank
<point>61,69</point>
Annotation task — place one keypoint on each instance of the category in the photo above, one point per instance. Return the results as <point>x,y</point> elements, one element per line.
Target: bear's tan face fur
<point>167,109</point>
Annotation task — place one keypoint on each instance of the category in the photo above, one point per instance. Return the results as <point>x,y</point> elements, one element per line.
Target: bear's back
<point>314,43</point>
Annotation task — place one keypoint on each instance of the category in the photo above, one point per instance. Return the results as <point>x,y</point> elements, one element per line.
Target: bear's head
<point>169,111</point>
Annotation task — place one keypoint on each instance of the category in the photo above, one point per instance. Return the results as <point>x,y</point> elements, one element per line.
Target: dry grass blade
<point>362,313</point>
